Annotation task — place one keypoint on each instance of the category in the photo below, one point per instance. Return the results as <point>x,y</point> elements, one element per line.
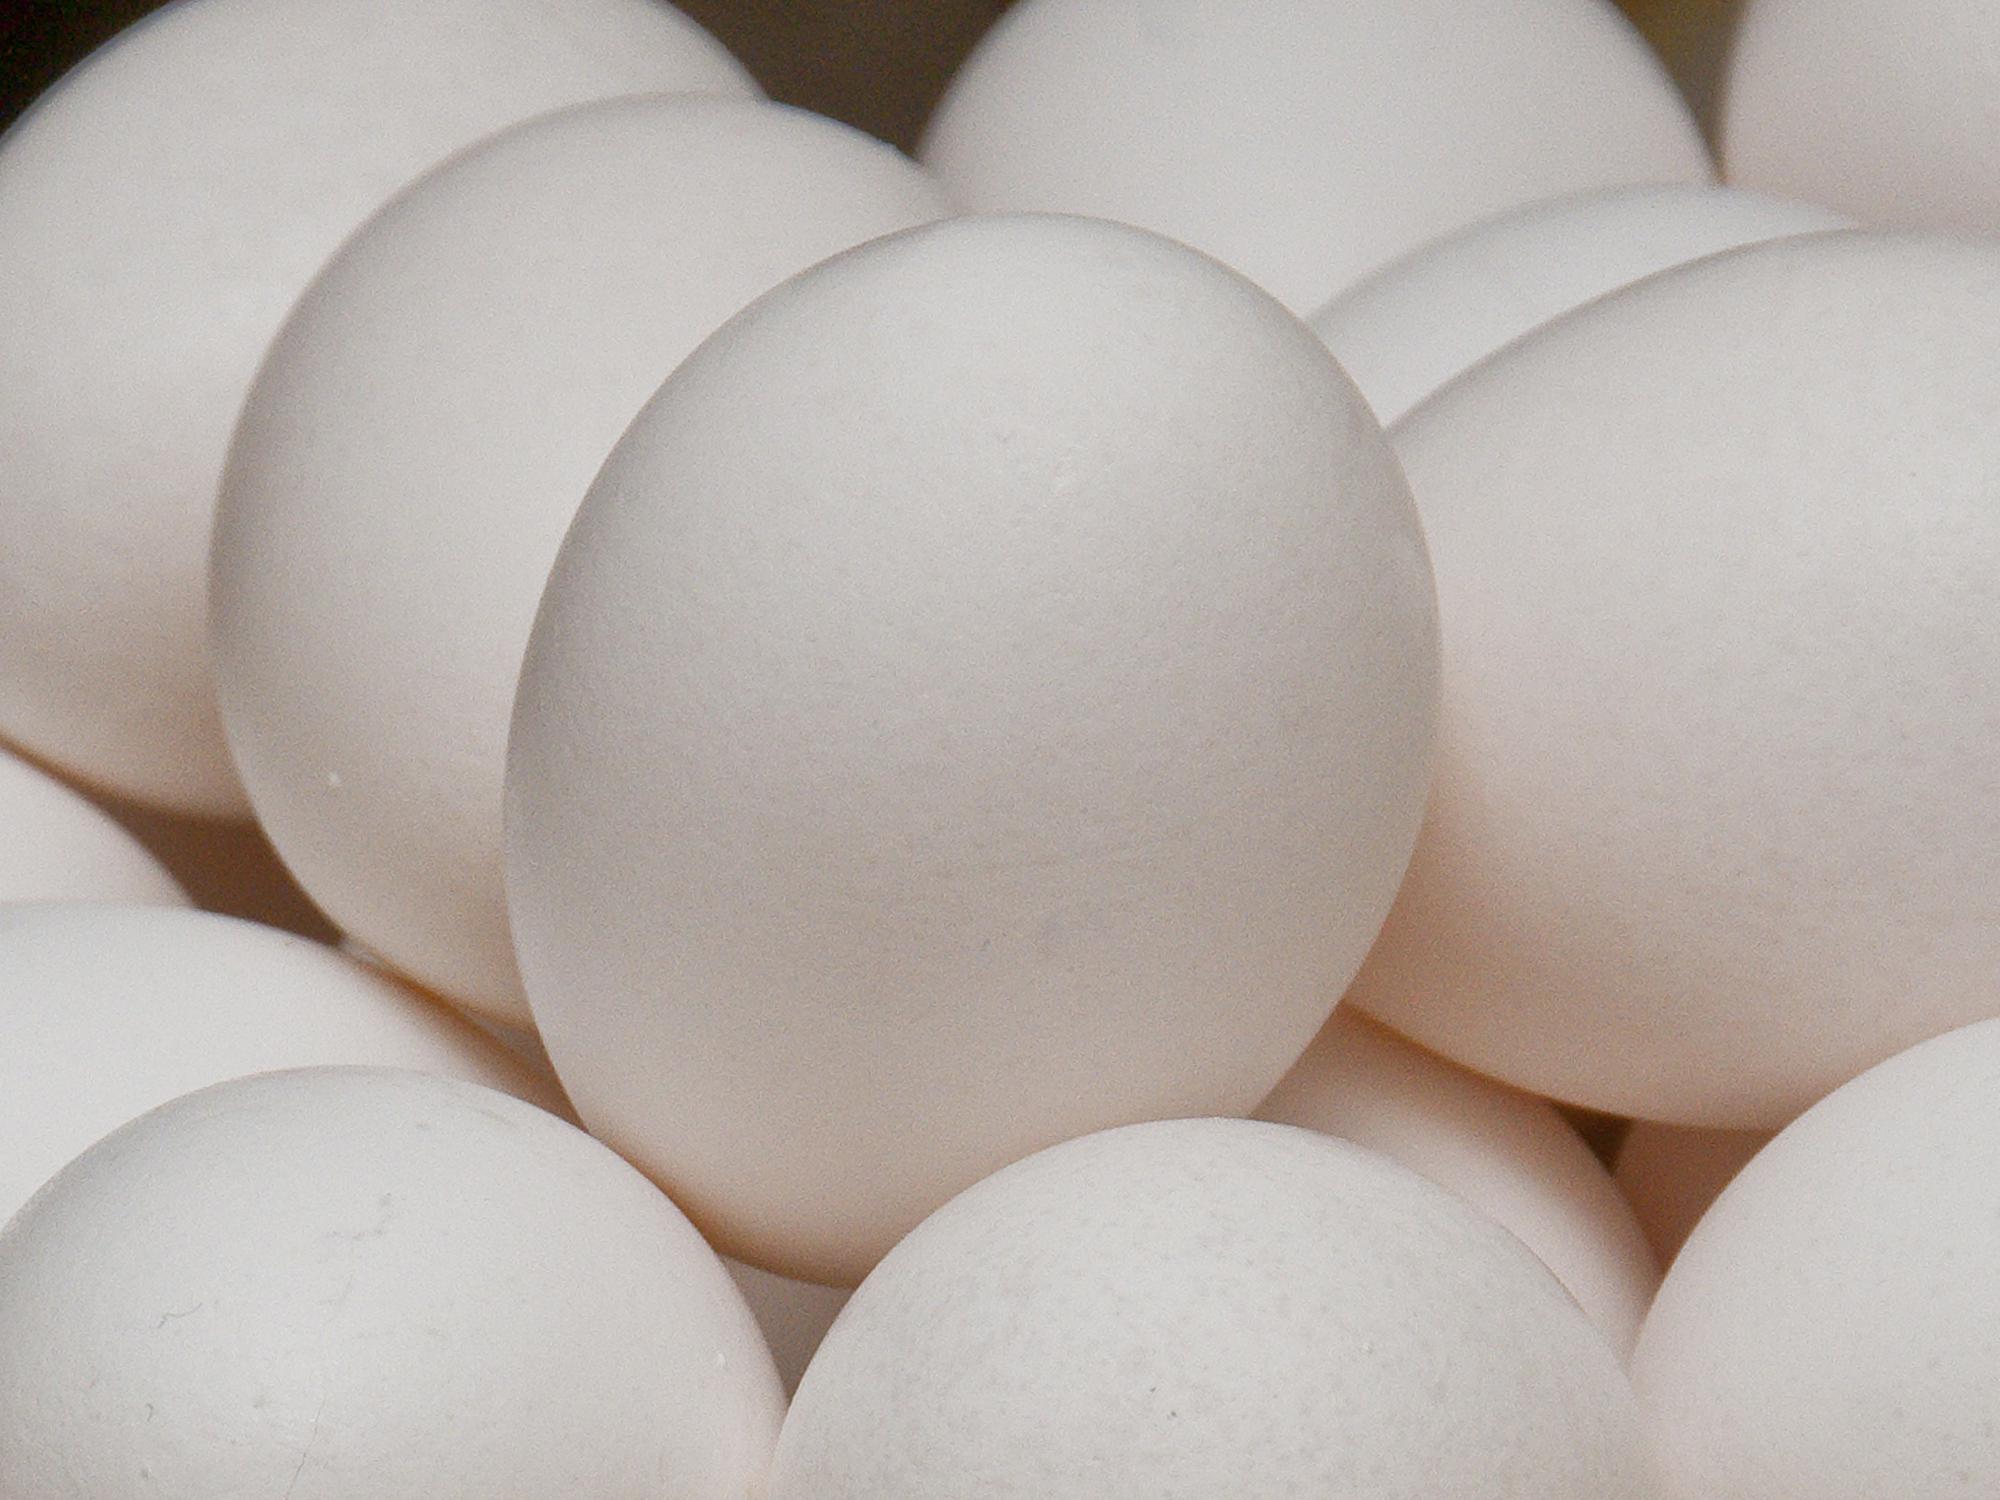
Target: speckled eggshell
<point>481,343</point>
<point>1306,143</point>
<point>1412,326</point>
<point>1671,1173</point>
<point>160,209</point>
<point>794,1315</point>
<point>1831,1329</point>
<point>55,845</point>
<point>366,1284</point>
<point>108,1011</point>
<point>986,697</point>
<point>1888,112</point>
<point>1508,1154</point>
<point>1717,819</point>
<point>1203,1308</point>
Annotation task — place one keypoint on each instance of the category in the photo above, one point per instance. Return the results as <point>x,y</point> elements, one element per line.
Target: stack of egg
<point>858,714</point>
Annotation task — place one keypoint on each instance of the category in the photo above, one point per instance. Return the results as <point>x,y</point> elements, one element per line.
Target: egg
<point>1671,1173</point>
<point>160,209</point>
<point>793,1315</point>
<point>1885,112</point>
<point>61,847</point>
<point>1303,143</point>
<point>1210,1307</point>
<point>481,343</point>
<point>111,1010</point>
<point>1829,1328</point>
<point>1508,1154</point>
<point>986,696</point>
<point>357,1283</point>
<point>1412,326</point>
<point>1717,816</point>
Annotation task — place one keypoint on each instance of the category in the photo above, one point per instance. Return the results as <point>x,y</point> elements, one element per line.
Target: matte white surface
<point>794,1315</point>
<point>1207,1308</point>
<point>160,209</point>
<point>1831,1330</point>
<point>1888,112</point>
<point>1413,325</point>
<point>415,446</point>
<point>56,846</point>
<point>1307,143</point>
<point>363,1284</point>
<point>986,697</point>
<point>1717,819</point>
<point>1508,1154</point>
<point>108,1011</point>
<point>1671,1173</point>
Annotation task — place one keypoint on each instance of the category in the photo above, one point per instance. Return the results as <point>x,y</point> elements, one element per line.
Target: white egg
<point>416,444</point>
<point>1717,816</point>
<point>1887,112</point>
<point>794,1315</point>
<point>1205,1308</point>
<point>1508,1154</point>
<point>1829,1330</point>
<point>58,846</point>
<point>109,1011</point>
<point>160,209</point>
<point>1671,1173</point>
<point>1306,143</point>
<point>1412,326</point>
<point>365,1284</point>
<point>986,697</point>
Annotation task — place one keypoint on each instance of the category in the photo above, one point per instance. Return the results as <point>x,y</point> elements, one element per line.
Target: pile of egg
<point>850,718</point>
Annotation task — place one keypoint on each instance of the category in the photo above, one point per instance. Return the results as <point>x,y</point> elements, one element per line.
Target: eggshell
<point>365,1284</point>
<point>1717,819</point>
<point>1829,1330</point>
<point>480,343</point>
<point>1671,1173</point>
<point>1886,112</point>
<point>986,697</point>
<point>794,1315</point>
<point>1210,1307</point>
<point>57,846</point>
<point>1508,1154</point>
<point>1304,143</point>
<point>1412,326</point>
<point>160,209</point>
<point>111,1010</point>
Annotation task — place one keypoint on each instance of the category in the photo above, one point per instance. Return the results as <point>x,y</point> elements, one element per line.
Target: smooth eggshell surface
<point>365,1284</point>
<point>1508,1154</point>
<point>481,343</point>
<point>109,1011</point>
<point>1888,112</point>
<point>160,209</point>
<point>1210,1307</point>
<point>1412,326</point>
<point>1306,143</point>
<point>58,846</point>
<point>1717,818</point>
<point>986,697</point>
<point>1831,1330</point>
<point>1671,1173</point>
